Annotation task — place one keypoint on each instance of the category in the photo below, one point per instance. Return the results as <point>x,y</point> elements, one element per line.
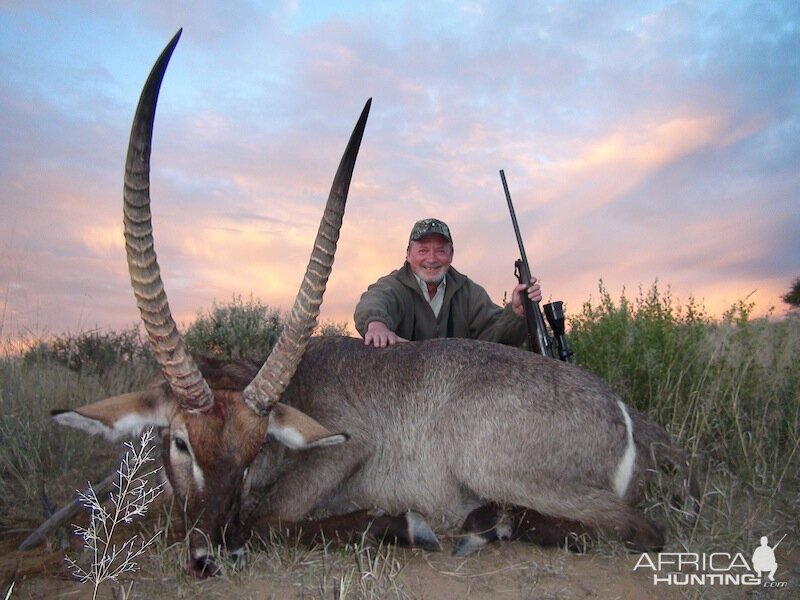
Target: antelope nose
<point>200,564</point>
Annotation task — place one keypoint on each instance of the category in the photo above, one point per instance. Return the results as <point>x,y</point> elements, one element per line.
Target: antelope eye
<point>180,444</point>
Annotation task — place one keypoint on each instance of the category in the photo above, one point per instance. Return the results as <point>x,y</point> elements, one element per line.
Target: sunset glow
<point>642,141</point>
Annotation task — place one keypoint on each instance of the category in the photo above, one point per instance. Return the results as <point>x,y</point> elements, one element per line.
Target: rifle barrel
<point>538,339</point>
<point>514,222</point>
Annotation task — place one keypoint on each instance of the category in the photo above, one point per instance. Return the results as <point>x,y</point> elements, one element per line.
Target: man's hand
<point>380,336</point>
<point>534,291</point>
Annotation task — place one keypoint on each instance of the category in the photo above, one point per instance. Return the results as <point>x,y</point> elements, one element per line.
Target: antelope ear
<point>119,417</point>
<point>297,430</point>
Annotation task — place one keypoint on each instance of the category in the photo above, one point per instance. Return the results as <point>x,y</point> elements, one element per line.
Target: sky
<point>642,141</point>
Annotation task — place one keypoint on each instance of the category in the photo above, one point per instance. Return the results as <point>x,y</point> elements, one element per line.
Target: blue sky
<point>641,141</point>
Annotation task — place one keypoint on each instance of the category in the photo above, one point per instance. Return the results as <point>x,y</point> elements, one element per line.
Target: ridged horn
<point>277,371</point>
<point>176,363</point>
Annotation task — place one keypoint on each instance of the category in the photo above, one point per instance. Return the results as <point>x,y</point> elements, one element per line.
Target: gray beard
<point>436,281</point>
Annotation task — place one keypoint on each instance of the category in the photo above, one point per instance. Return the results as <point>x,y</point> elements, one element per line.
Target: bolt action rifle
<point>539,340</point>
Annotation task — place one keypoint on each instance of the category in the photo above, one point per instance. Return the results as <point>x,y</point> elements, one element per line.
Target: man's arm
<point>492,323</point>
<point>378,312</point>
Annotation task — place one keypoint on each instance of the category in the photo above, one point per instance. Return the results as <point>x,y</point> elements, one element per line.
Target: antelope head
<point>210,436</point>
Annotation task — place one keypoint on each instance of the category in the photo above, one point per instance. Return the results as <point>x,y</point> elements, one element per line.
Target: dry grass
<point>730,390</point>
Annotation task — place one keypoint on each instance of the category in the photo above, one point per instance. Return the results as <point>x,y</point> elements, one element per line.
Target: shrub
<point>728,387</point>
<point>93,351</point>
<point>639,346</point>
<point>333,328</point>
<point>235,329</point>
<point>243,329</point>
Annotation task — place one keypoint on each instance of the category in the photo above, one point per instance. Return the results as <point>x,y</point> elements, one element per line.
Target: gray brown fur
<point>444,426</point>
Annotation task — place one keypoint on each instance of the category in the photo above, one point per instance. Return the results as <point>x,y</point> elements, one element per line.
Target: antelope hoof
<point>420,533</point>
<point>467,544</point>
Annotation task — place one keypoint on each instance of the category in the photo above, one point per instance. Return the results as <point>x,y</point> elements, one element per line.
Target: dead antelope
<point>329,426</point>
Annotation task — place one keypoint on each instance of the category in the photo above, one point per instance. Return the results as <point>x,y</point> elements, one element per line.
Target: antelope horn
<point>175,361</point>
<point>270,382</point>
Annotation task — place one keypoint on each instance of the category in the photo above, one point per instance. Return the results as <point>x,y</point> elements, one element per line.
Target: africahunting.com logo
<point>715,568</point>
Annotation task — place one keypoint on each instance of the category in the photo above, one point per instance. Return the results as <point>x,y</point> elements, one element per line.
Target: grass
<point>729,388</point>
<point>135,490</point>
<point>278,568</point>
<point>31,451</point>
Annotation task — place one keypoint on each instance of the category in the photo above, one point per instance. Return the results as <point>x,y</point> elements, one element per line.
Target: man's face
<point>430,257</point>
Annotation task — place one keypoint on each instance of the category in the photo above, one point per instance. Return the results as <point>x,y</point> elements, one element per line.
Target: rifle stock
<point>538,340</point>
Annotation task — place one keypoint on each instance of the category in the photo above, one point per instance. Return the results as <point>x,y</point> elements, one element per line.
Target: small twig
<point>66,512</point>
<point>130,498</point>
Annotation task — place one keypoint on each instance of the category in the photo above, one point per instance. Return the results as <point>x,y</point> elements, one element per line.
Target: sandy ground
<point>501,571</point>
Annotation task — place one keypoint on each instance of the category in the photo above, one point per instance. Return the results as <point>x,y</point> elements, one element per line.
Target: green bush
<point>729,388</point>
<point>91,351</point>
<point>235,329</point>
<point>243,329</point>
<point>333,328</point>
<point>640,346</point>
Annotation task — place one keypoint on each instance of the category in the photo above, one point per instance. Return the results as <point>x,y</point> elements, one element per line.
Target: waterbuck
<point>445,431</point>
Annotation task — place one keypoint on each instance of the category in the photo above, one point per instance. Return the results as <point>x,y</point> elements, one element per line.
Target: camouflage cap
<point>427,227</point>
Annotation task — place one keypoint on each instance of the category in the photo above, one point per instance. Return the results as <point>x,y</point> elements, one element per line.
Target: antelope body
<point>441,428</point>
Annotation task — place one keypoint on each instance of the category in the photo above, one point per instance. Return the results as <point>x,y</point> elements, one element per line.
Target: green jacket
<point>467,311</point>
